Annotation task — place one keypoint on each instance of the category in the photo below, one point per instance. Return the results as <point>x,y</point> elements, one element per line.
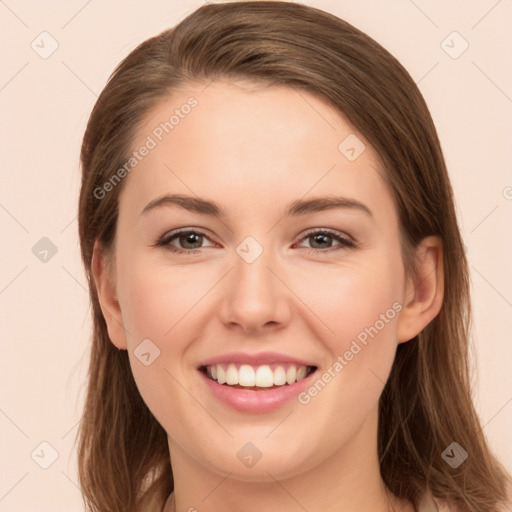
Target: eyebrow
<point>295,208</point>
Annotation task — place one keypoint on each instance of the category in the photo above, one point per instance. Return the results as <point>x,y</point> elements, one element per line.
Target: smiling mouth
<point>256,377</point>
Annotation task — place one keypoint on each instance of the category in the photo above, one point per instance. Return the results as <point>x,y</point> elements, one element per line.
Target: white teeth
<point>221,375</point>
<point>279,376</point>
<point>260,376</point>
<point>264,377</point>
<point>246,376</point>
<point>301,373</point>
<point>291,375</point>
<point>232,375</point>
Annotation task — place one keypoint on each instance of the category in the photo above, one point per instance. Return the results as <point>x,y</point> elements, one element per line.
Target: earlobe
<point>423,296</point>
<point>109,303</point>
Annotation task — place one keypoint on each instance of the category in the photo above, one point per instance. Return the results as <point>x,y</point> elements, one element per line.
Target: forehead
<point>254,141</point>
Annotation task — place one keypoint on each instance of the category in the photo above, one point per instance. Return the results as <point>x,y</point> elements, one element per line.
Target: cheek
<point>166,306</point>
<point>161,305</point>
<point>158,299</point>
<point>351,298</point>
<point>360,306</point>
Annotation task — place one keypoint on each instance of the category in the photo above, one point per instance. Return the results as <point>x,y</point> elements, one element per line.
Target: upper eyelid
<point>167,237</point>
<point>336,232</point>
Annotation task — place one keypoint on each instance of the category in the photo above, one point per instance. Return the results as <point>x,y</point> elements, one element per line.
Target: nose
<point>254,298</point>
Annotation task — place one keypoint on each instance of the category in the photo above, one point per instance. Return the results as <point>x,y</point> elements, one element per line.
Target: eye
<point>324,238</point>
<point>186,237</point>
<point>191,241</point>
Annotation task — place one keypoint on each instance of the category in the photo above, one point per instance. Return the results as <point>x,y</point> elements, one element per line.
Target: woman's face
<point>259,291</point>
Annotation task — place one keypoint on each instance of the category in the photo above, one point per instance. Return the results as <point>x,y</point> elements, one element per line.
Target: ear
<point>424,291</point>
<point>106,289</point>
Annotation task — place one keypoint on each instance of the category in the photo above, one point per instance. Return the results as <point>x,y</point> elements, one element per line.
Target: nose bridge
<point>253,296</point>
<point>252,273</point>
<point>252,279</point>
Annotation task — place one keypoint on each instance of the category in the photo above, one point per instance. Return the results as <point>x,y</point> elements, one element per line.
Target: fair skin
<point>254,150</point>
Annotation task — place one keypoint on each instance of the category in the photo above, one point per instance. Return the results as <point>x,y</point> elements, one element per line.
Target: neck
<point>348,480</point>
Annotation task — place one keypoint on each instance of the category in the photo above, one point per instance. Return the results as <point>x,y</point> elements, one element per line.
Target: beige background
<point>44,106</point>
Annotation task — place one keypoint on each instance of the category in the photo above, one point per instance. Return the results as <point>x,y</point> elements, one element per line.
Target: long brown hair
<point>426,404</point>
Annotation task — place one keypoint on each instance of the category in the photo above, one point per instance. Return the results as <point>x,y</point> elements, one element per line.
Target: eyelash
<point>344,243</point>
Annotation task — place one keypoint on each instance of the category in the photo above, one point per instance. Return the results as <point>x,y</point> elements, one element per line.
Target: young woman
<point>278,282</point>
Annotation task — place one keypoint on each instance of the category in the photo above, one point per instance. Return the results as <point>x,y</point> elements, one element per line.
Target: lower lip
<point>248,400</point>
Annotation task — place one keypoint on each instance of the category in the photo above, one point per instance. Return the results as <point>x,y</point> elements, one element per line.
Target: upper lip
<point>259,358</point>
